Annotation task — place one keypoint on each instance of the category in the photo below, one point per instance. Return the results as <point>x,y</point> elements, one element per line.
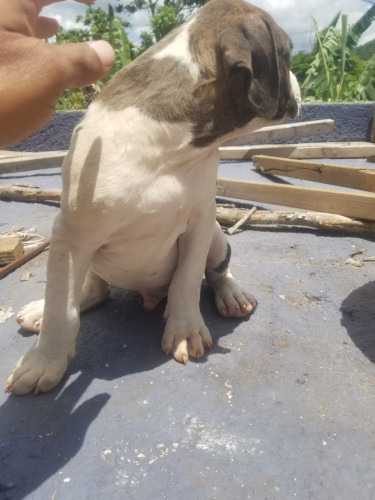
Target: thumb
<point>85,62</point>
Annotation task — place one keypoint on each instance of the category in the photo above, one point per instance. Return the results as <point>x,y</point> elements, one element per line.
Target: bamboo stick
<point>228,216</point>
<point>323,200</point>
<point>21,192</point>
<point>241,221</point>
<point>327,173</point>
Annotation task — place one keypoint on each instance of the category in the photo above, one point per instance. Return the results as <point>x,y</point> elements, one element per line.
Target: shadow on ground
<point>40,435</point>
<point>358,317</point>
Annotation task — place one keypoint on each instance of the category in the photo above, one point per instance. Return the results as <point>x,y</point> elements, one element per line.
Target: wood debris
<point>13,161</point>
<point>5,313</point>
<point>345,203</point>
<point>242,221</point>
<point>227,216</point>
<point>306,150</point>
<point>326,173</point>
<point>22,260</point>
<point>21,192</point>
<point>285,131</point>
<point>11,248</point>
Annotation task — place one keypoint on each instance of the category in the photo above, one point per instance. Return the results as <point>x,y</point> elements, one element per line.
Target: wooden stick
<point>327,173</point>
<point>301,151</point>
<point>20,192</point>
<point>227,216</point>
<point>4,271</point>
<point>345,203</point>
<point>241,221</point>
<point>285,131</point>
<point>11,162</point>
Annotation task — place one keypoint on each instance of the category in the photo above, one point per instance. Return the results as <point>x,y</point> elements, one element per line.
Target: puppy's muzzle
<point>294,104</point>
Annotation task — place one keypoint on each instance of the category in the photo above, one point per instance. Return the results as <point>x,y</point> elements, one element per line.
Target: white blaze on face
<point>178,49</point>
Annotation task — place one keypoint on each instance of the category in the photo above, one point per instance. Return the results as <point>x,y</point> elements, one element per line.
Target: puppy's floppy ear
<point>250,61</point>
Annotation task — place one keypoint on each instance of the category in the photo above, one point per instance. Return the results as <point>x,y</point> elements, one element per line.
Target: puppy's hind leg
<point>94,292</point>
<point>231,300</point>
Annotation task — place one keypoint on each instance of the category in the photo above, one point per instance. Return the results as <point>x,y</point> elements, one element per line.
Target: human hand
<point>33,74</point>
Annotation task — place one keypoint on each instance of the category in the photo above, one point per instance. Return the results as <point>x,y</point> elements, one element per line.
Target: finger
<point>85,62</point>
<point>45,27</point>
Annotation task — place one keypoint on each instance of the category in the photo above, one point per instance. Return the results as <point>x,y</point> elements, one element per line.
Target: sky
<point>294,16</point>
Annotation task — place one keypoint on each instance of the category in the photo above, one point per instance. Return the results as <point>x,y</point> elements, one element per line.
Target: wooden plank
<point>23,162</point>
<point>11,248</point>
<point>22,260</point>
<point>285,131</point>
<point>305,150</point>
<point>345,203</point>
<point>326,173</point>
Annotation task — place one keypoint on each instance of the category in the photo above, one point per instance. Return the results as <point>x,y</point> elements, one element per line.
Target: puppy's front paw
<point>186,337</point>
<point>36,371</point>
<point>30,316</point>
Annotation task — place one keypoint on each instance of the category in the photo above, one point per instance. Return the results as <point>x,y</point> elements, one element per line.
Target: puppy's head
<point>250,76</point>
<point>256,59</point>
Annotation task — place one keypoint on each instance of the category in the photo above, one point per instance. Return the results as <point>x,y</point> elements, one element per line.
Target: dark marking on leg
<point>223,266</point>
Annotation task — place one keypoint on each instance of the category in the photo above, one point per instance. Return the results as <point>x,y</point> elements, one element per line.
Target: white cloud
<point>294,16</point>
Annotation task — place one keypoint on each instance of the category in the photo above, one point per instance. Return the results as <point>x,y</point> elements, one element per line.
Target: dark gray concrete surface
<point>281,407</point>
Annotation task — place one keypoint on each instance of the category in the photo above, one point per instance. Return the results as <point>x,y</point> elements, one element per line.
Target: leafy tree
<point>366,51</point>
<point>147,40</point>
<point>163,21</point>
<point>300,64</point>
<point>106,26</point>
<point>98,24</point>
<point>72,35</point>
<point>163,16</point>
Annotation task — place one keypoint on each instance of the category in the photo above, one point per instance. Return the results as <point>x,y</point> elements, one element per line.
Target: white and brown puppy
<point>138,202</point>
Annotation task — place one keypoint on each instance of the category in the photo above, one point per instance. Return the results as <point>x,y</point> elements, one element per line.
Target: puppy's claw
<point>37,391</point>
<point>8,387</point>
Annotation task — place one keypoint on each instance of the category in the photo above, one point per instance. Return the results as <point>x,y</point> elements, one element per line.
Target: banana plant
<point>330,76</point>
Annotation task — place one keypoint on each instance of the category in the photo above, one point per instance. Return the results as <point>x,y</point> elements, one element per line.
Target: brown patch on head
<point>246,58</point>
<point>243,58</point>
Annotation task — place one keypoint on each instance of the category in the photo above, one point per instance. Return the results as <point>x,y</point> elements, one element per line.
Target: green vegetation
<point>333,70</point>
<point>336,69</point>
<point>111,26</point>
